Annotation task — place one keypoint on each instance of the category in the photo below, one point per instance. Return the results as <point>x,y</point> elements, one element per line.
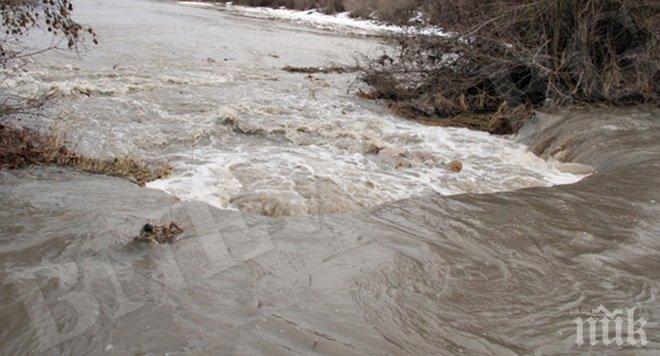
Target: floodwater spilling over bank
<point>317,251</point>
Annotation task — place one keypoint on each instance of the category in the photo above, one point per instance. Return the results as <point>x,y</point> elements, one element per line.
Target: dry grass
<point>21,147</point>
<point>392,11</point>
<point>19,17</point>
<point>505,120</point>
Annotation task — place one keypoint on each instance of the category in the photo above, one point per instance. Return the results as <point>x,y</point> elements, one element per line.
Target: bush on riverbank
<point>506,57</point>
<point>21,147</point>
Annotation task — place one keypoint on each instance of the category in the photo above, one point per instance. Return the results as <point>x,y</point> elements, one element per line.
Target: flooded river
<point>315,221</point>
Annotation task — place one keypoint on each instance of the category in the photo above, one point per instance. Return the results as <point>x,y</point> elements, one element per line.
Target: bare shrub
<point>54,16</point>
<point>359,8</point>
<point>396,11</point>
<point>392,11</point>
<point>503,56</point>
<point>18,18</point>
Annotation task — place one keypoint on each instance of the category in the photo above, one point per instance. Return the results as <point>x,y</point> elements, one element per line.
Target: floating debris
<point>455,166</point>
<point>325,70</point>
<point>166,233</point>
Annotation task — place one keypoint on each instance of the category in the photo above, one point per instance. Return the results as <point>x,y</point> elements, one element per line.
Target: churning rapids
<point>315,221</point>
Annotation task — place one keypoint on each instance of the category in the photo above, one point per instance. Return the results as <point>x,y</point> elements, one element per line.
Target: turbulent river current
<point>314,221</point>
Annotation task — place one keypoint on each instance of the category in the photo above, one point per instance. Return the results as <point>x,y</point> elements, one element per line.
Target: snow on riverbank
<point>338,22</point>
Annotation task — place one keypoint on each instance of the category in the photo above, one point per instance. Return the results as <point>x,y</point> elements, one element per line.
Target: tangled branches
<point>503,56</point>
<point>18,18</point>
<point>21,16</point>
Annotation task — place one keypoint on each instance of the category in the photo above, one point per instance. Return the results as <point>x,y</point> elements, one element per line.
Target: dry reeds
<point>21,147</point>
<point>165,233</point>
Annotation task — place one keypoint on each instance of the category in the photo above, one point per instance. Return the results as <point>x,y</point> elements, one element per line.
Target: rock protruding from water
<point>455,166</point>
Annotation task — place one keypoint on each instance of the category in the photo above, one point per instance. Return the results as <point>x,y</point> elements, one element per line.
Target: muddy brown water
<point>503,273</point>
<point>496,273</point>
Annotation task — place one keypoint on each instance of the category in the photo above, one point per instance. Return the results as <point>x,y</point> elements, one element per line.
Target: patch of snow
<point>196,3</point>
<point>338,22</point>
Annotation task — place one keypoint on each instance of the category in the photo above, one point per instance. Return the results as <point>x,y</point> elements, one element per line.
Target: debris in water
<point>402,164</point>
<point>366,95</point>
<point>455,166</point>
<point>372,147</point>
<point>325,70</point>
<point>159,233</point>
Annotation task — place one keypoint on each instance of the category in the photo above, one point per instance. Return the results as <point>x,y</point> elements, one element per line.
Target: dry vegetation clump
<point>504,58</point>
<point>165,233</point>
<point>21,147</point>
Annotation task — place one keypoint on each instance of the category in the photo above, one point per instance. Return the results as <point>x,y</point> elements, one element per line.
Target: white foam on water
<point>364,162</point>
<point>280,151</point>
